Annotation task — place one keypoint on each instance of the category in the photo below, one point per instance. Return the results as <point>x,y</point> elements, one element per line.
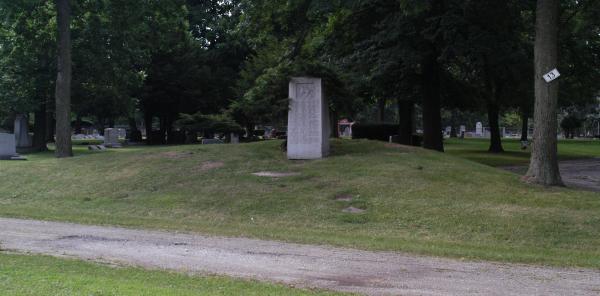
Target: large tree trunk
<point>543,168</point>
<point>39,128</point>
<point>495,139</point>
<point>63,81</point>
<point>335,131</point>
<point>524,125</point>
<point>381,109</point>
<point>432,118</point>
<point>405,113</point>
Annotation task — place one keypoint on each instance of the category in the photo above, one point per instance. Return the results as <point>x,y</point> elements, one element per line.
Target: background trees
<point>143,63</point>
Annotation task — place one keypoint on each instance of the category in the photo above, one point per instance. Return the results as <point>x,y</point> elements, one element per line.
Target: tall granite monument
<point>308,120</point>
<point>22,137</point>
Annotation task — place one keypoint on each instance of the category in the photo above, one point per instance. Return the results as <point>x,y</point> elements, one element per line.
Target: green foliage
<point>219,123</point>
<point>381,132</point>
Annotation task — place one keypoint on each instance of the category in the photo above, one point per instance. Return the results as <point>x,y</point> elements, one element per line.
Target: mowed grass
<point>416,201</point>
<point>476,150</point>
<point>39,275</point>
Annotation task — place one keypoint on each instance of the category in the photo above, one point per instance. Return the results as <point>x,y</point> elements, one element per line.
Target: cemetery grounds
<point>415,201</point>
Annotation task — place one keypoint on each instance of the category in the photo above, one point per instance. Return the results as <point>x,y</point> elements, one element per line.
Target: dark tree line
<point>150,61</point>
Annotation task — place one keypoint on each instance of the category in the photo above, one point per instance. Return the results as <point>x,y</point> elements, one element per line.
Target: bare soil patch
<point>211,165</point>
<point>276,174</point>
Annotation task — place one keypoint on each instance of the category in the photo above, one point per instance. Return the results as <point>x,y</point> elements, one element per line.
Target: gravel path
<point>373,273</point>
<point>582,173</point>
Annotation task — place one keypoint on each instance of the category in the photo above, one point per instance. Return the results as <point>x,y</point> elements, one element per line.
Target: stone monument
<point>479,129</point>
<point>8,147</point>
<point>234,138</point>
<point>111,138</point>
<point>22,137</point>
<point>308,120</point>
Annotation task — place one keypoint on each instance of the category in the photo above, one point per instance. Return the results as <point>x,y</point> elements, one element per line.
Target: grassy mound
<point>414,200</point>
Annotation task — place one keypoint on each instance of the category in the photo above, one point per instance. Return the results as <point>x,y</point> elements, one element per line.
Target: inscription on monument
<point>309,110</point>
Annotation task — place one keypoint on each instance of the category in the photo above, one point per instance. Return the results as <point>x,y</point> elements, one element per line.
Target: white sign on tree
<point>552,75</point>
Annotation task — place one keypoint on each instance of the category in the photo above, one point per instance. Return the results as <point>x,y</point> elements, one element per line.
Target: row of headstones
<point>308,125</point>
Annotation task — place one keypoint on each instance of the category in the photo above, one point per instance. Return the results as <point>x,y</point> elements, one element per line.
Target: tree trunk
<point>148,126</point>
<point>381,109</point>
<point>40,129</point>
<point>543,168</point>
<point>335,132</point>
<point>432,118</point>
<point>524,125</point>
<point>405,113</point>
<point>495,139</point>
<point>63,81</point>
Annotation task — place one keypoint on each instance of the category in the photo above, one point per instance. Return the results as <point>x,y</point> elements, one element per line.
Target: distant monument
<point>111,138</point>
<point>22,137</point>
<point>479,129</point>
<point>308,120</point>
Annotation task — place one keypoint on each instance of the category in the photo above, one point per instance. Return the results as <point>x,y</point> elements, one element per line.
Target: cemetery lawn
<point>41,275</point>
<point>476,150</point>
<point>416,201</point>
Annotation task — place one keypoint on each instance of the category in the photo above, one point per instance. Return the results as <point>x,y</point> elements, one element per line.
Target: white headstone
<point>479,129</point>
<point>8,147</point>
<point>22,137</point>
<point>308,120</point>
<point>111,138</point>
<point>463,128</point>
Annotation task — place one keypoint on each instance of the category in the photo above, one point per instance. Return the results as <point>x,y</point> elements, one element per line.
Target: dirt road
<point>373,273</point>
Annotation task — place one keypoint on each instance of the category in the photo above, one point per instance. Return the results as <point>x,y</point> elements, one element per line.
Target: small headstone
<point>111,138</point>
<point>234,138</point>
<point>22,137</point>
<point>8,147</point>
<point>308,120</point>
<point>211,141</point>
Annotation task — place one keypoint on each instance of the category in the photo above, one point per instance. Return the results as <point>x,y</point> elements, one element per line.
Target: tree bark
<point>543,168</point>
<point>432,118</point>
<point>40,129</point>
<point>495,139</point>
<point>63,81</point>
<point>335,132</point>
<point>381,109</point>
<point>405,113</point>
<point>524,125</point>
<point>148,127</point>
